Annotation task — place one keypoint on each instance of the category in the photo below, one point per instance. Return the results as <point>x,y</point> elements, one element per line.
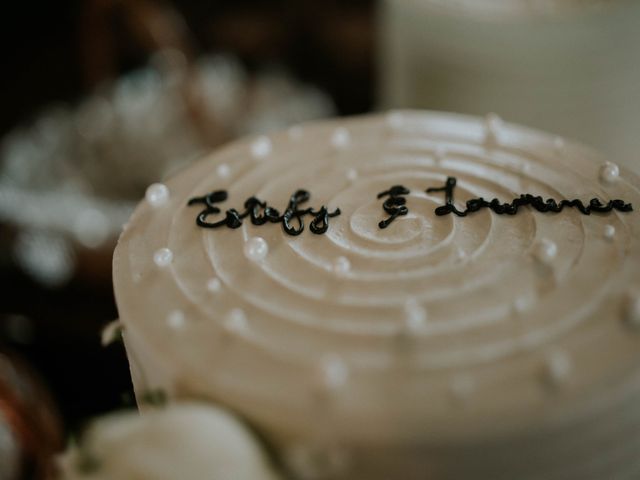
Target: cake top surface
<point>437,325</point>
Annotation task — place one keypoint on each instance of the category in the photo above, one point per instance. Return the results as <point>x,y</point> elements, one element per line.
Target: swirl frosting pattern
<point>506,346</point>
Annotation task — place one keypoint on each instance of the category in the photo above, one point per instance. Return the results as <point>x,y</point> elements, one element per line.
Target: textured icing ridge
<point>435,330</point>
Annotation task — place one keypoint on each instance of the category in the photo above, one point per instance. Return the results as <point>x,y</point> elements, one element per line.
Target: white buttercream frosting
<point>430,345</point>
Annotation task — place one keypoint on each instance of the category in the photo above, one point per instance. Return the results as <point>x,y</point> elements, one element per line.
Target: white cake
<point>485,346</point>
<point>566,66</point>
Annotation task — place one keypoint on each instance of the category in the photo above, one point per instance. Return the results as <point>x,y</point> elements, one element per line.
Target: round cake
<point>405,295</point>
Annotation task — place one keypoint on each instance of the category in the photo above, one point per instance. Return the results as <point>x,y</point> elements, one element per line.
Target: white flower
<point>180,442</point>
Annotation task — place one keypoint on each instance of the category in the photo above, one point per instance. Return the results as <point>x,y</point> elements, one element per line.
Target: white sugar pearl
<point>609,232</point>
<point>214,285</point>
<point>340,138</point>
<point>261,147</point>
<point>440,153</point>
<point>163,257</point>
<point>493,127</point>
<point>525,168</point>
<point>395,119</point>
<point>609,172</point>
<point>256,249</point>
<point>546,250</point>
<point>352,174</point>
<point>341,265</point>
<point>236,321</point>
<point>334,372</point>
<point>493,122</point>
<point>557,368</point>
<point>223,170</point>
<point>632,308</point>
<point>176,319</point>
<point>157,194</point>
<point>415,315</point>
<point>559,143</point>
<point>522,303</point>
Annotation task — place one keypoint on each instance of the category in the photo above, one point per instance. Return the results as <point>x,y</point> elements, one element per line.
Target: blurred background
<point>100,98</point>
